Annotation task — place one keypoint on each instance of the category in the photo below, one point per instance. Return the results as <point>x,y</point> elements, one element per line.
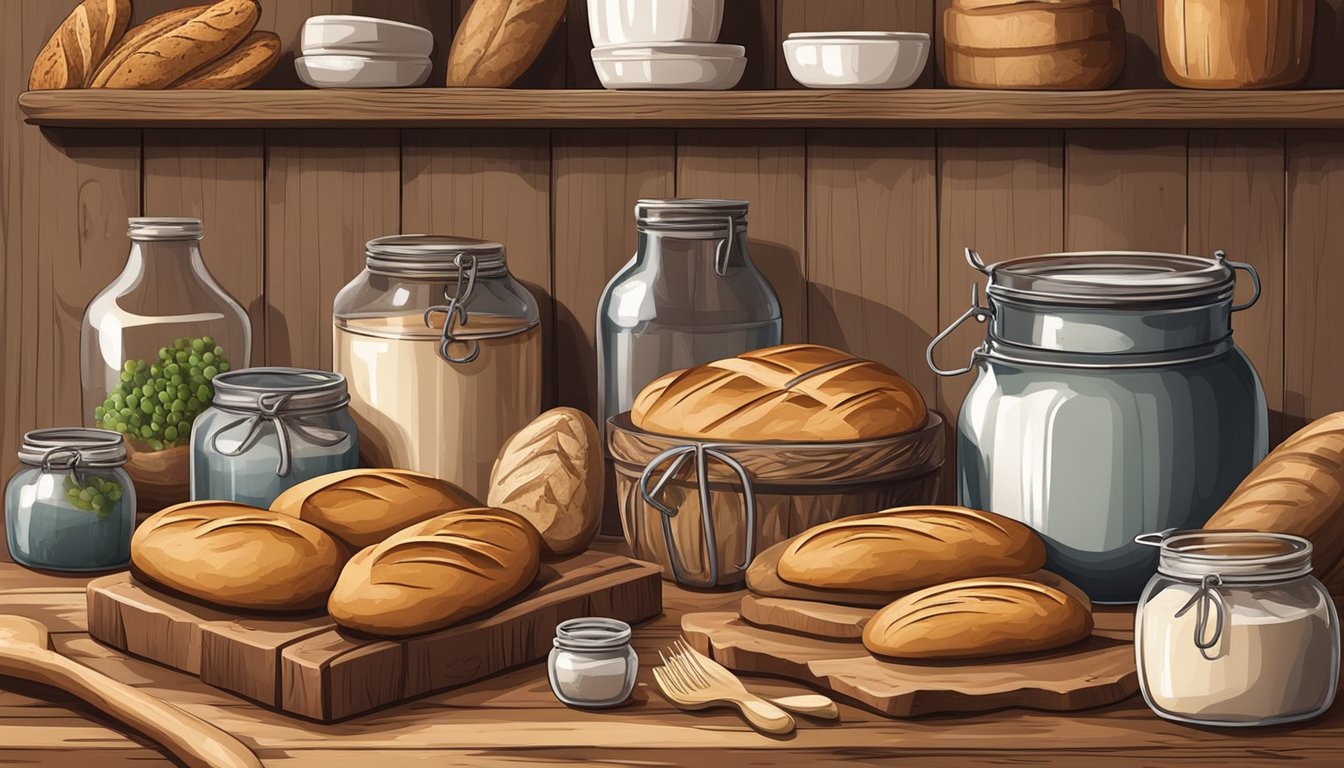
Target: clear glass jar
<point>592,663</point>
<point>71,507</point>
<point>441,348</point>
<point>151,342</point>
<point>268,430</point>
<point>690,295</point>
<point>1234,630</point>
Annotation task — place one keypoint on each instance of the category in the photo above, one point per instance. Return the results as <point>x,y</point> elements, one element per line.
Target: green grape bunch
<point>98,495</point>
<point>155,403</point>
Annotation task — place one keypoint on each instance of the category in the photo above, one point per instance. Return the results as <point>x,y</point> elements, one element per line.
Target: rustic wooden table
<point>513,720</point>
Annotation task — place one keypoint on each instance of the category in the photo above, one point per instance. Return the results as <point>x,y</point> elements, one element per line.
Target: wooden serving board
<point>1096,672</point>
<point>309,667</point>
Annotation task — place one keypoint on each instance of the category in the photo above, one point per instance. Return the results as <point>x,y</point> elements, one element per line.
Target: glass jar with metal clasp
<point>269,429</point>
<point>442,350</point>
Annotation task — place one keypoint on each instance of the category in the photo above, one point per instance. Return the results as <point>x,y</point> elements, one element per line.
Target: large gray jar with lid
<point>1109,401</point>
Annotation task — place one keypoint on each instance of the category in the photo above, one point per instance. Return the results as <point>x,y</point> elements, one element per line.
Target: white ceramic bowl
<point>856,59</point>
<point>670,72</point>
<point>361,71</point>
<point>615,22</point>
<point>364,35</point>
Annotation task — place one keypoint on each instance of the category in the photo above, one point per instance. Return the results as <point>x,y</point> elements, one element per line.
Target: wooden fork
<point>810,704</point>
<point>689,685</point>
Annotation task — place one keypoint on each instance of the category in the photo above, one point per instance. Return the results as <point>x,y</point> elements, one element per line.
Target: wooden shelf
<point>425,107</point>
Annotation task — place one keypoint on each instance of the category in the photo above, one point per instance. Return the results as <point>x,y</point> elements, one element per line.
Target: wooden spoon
<point>24,655</point>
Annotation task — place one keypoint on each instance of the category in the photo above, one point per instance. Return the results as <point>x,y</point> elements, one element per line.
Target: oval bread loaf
<point>437,573</point>
<point>499,40</point>
<point>977,618</point>
<point>241,67</point>
<point>910,548</point>
<point>160,59</point>
<point>789,393</point>
<point>140,35</point>
<point>362,507</point>
<point>236,556</point>
<point>79,45</point>
<point>550,472</point>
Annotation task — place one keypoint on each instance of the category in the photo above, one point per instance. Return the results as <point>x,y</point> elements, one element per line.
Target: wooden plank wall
<point>860,231</point>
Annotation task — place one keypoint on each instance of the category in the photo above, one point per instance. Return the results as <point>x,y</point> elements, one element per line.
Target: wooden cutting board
<point>1096,672</point>
<point>308,667</point>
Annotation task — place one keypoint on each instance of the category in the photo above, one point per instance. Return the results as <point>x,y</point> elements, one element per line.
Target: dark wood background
<point>861,231</point>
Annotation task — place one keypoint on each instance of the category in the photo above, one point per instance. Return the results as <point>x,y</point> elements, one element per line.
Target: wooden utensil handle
<point>764,716</point>
<point>810,704</point>
<point>190,739</point>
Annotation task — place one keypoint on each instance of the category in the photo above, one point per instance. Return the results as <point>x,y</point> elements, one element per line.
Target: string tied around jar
<point>455,312</point>
<point>270,407</point>
<point>1207,601</point>
<point>62,459</point>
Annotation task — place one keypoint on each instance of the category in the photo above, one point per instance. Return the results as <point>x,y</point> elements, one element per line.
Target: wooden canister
<point>1063,45</point>
<point>1221,44</point>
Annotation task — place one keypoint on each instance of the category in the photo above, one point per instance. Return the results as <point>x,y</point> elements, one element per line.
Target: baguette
<point>140,36</point>
<point>499,40</point>
<point>167,57</point>
<point>249,62</point>
<point>79,45</point>
<point>1298,489</point>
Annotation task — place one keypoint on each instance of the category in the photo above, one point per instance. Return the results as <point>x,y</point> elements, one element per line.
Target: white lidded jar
<point>441,349</point>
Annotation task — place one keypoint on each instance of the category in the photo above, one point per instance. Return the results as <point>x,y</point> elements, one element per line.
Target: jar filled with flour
<point>1235,631</point>
<point>441,348</point>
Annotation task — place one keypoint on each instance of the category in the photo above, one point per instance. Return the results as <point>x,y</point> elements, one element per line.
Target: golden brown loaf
<point>362,507</point>
<point>437,573</point>
<point>139,36</point>
<point>79,44</point>
<point>1298,489</point>
<point>550,472</point>
<point>236,556</point>
<point>173,50</point>
<point>499,40</point>
<point>791,393</point>
<point>976,618</point>
<point>241,67</point>
<point>910,548</point>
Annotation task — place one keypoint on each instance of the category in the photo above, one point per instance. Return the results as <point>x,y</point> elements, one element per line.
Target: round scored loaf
<point>437,573</point>
<point>362,507</point>
<point>910,548</point>
<point>790,393</point>
<point>235,556</point>
<point>976,618</point>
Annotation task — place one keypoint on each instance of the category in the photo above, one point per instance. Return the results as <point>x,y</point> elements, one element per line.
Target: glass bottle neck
<point>702,251</point>
<point>161,260</point>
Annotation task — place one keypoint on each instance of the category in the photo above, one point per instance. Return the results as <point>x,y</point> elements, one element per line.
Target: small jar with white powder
<point>592,663</point>
<point>1235,631</point>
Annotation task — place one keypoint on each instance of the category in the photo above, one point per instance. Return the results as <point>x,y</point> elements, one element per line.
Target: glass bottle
<point>690,295</point>
<point>151,343</point>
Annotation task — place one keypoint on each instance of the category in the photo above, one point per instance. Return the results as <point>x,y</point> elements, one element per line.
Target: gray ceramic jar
<point>1110,401</point>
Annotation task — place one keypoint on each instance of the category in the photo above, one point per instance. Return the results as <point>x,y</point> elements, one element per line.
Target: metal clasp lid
<point>456,311</point>
<point>1221,257</point>
<point>1207,600</point>
<point>981,314</point>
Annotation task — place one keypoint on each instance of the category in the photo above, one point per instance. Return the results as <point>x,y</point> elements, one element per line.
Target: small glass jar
<point>592,663</point>
<point>1235,631</point>
<point>71,507</point>
<point>268,430</point>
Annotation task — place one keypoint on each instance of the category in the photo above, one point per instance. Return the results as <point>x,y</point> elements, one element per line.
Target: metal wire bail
<point>981,314</point>
<point>724,251</point>
<point>455,312</point>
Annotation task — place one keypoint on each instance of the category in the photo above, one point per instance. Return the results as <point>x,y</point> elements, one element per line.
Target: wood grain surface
<point>1125,190</point>
<point>804,617</point>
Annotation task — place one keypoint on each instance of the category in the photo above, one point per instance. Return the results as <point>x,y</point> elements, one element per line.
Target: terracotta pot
<point>162,478</point>
<point>1236,43</point>
<point>793,487</point>
<point>1068,45</point>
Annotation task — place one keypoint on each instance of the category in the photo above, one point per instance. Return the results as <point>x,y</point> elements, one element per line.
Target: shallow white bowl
<point>361,71</point>
<point>364,35</point>
<point>651,50</point>
<point>613,22</point>
<point>669,71</point>
<point>857,59</point>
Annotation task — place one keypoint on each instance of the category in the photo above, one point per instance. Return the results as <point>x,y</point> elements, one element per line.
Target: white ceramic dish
<point>669,71</point>
<point>877,60</point>
<point>364,35</point>
<point>361,71</point>
<point>617,22</point>
<point>651,50</point>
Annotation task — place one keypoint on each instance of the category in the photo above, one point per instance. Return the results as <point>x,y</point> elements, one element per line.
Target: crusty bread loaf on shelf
<point>910,548</point>
<point>138,36</point>
<point>975,618</point>
<point>1298,489</point>
<point>249,62</point>
<point>437,573</point>
<point>499,39</point>
<point>79,45</point>
<point>362,507</point>
<point>790,393</point>
<point>235,556</point>
<point>550,472</point>
<point>162,51</point>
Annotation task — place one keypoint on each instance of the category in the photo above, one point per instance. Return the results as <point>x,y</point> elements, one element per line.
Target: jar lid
<point>434,256</point>
<point>592,634</point>
<point>149,228</point>
<point>1111,278</point>
<point>280,390</point>
<point>1233,556</point>
<point>689,213</point>
<point>71,447</point>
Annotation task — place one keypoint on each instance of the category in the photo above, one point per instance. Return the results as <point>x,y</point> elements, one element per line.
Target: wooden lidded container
<point>789,488</point>
<point>1033,44</point>
<point>1225,44</point>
